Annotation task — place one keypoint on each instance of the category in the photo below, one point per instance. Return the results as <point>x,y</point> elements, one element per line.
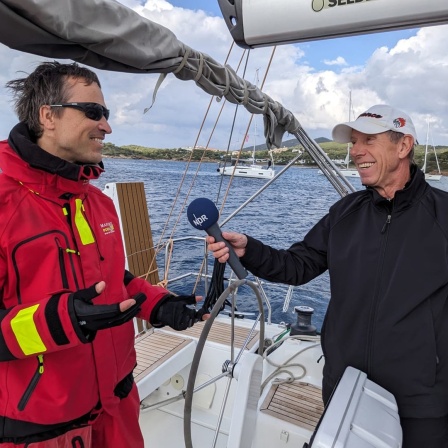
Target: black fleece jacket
<point>388,312</point>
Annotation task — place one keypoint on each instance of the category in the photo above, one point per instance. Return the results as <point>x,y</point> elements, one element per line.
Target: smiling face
<point>68,133</point>
<point>382,163</point>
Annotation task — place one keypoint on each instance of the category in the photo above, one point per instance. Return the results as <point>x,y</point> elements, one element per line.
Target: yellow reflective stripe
<point>26,333</point>
<point>82,225</point>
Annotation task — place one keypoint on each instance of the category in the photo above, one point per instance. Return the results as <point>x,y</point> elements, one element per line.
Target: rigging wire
<point>160,244</point>
<point>217,281</point>
<point>247,129</point>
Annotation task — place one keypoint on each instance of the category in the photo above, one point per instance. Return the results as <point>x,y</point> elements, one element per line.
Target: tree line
<point>335,151</point>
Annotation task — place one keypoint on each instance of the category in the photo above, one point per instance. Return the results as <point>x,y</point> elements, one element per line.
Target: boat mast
<point>255,120</point>
<point>435,153</point>
<point>255,136</point>
<point>347,157</point>
<point>426,147</point>
<point>429,134</point>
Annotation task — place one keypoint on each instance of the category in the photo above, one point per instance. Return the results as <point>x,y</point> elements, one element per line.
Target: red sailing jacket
<point>58,234</point>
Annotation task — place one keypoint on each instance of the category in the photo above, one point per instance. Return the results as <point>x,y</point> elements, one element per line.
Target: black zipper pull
<point>386,223</point>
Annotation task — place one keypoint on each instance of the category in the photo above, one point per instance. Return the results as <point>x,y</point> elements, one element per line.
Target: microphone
<point>203,215</point>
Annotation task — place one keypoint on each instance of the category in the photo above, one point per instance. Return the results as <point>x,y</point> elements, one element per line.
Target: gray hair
<point>46,85</point>
<point>395,137</point>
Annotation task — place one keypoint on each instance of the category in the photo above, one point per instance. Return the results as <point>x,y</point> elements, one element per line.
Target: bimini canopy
<point>107,35</point>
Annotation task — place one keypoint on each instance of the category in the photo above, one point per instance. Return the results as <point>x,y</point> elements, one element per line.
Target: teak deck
<point>155,348</point>
<point>221,333</point>
<point>298,403</point>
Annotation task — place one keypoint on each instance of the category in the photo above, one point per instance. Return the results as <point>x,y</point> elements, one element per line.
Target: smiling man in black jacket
<point>386,250</point>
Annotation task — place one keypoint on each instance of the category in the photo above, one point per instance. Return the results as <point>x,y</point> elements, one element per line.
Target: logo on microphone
<point>198,221</point>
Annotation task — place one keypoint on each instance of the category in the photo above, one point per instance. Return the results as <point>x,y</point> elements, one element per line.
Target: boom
<point>258,23</point>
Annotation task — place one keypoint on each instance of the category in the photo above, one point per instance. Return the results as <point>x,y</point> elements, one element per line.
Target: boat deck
<point>298,403</point>
<point>220,333</point>
<point>153,349</point>
<point>162,353</point>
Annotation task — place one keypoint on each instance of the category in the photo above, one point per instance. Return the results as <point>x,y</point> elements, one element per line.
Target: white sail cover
<point>107,35</point>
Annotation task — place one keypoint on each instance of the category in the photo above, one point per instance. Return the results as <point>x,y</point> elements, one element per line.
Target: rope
<point>215,290</point>
<point>283,368</point>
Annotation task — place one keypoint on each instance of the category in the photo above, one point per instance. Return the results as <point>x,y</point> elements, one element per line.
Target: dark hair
<point>395,137</point>
<point>46,85</point>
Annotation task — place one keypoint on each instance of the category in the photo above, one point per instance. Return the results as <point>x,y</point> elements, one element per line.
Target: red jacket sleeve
<point>42,327</point>
<point>153,295</point>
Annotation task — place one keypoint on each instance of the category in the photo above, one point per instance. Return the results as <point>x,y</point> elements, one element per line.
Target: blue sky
<point>210,6</point>
<point>354,50</point>
<point>313,80</point>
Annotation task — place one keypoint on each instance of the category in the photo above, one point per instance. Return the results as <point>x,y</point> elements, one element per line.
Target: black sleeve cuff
<point>84,337</point>
<point>128,277</point>
<point>154,319</point>
<point>54,321</point>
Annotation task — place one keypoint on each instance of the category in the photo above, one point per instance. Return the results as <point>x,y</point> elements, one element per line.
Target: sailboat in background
<point>429,176</point>
<point>249,167</point>
<point>347,171</point>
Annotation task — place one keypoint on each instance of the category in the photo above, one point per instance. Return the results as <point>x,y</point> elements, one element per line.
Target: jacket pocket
<point>33,383</point>
<point>41,254</point>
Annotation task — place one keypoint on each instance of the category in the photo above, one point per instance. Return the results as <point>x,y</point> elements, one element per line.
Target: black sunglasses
<point>93,111</point>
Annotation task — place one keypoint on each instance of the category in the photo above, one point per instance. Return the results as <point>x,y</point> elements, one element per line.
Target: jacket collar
<point>410,194</point>
<point>22,159</point>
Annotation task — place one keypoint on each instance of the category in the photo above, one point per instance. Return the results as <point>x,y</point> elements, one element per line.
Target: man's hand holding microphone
<point>226,246</point>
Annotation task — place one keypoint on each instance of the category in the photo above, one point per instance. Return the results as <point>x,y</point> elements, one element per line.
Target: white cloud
<point>338,61</point>
<point>410,75</point>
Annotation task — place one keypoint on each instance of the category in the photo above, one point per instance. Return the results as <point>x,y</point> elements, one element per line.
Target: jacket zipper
<point>375,302</point>
<point>62,266</point>
<point>386,224</point>
<point>33,383</point>
<point>68,214</point>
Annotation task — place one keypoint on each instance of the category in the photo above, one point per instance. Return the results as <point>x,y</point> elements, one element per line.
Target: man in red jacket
<point>67,303</point>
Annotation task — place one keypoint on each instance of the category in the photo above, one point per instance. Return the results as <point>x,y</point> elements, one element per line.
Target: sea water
<point>279,216</point>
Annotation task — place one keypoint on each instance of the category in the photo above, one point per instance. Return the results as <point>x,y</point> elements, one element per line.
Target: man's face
<point>75,137</point>
<point>378,160</point>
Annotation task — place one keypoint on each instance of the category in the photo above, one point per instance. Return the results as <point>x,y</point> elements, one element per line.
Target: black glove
<point>175,311</point>
<point>91,317</point>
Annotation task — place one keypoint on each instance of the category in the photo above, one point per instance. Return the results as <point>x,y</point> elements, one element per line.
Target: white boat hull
<point>349,173</point>
<point>254,171</point>
<point>435,177</point>
<point>345,172</point>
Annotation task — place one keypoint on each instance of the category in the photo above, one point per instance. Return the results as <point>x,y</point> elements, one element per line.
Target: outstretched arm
<point>220,251</point>
<point>163,307</point>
